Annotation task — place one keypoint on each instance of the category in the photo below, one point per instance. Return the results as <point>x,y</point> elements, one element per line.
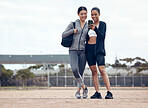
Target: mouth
<point>94,19</point>
<point>83,17</point>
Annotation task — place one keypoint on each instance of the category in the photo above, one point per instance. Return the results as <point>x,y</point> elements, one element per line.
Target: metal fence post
<point>116,78</point>
<point>57,79</point>
<point>132,80</point>
<point>141,78</point>
<point>48,78</point>
<point>0,74</point>
<point>124,80</point>
<point>65,75</point>
<point>0,70</point>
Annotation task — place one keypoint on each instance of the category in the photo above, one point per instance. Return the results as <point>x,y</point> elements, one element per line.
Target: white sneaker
<point>78,96</point>
<point>85,92</point>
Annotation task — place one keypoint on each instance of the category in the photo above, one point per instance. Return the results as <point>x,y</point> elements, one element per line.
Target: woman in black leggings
<point>95,53</point>
<point>77,50</point>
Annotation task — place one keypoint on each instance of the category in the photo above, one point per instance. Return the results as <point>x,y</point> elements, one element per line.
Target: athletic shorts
<point>93,58</point>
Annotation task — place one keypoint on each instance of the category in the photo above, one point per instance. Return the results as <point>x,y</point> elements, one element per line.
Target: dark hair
<point>81,8</point>
<point>95,8</point>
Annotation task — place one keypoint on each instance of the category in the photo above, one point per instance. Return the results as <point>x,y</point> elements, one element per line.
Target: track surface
<point>63,97</point>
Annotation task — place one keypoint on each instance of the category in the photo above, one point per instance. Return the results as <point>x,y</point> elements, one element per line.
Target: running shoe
<point>85,92</point>
<point>109,95</point>
<point>77,95</point>
<point>97,95</point>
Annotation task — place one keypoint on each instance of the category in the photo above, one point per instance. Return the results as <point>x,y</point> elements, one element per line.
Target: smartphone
<point>90,22</point>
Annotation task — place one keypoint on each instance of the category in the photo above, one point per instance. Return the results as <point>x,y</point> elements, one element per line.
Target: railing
<point>118,77</point>
<point>60,81</point>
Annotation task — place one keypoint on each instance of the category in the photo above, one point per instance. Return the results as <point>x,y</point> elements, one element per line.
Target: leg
<point>82,63</point>
<point>101,67</point>
<point>74,60</point>
<point>105,77</point>
<point>96,95</point>
<point>91,59</point>
<point>95,77</point>
<point>106,81</point>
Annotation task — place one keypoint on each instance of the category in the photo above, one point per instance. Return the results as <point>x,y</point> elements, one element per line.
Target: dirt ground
<point>63,97</point>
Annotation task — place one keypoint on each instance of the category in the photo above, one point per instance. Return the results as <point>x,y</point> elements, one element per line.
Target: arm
<point>69,30</point>
<point>101,31</point>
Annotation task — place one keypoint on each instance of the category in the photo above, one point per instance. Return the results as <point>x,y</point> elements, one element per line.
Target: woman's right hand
<point>92,26</point>
<point>75,30</point>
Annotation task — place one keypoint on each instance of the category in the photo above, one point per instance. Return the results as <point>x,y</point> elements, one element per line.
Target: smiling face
<point>95,15</point>
<point>83,15</point>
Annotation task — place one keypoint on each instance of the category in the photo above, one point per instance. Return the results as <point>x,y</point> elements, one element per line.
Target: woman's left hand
<point>92,26</point>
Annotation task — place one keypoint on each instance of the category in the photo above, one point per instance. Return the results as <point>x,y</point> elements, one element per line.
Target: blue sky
<point>35,26</point>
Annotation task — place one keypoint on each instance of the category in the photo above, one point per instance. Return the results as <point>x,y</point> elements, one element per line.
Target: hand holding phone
<point>90,22</point>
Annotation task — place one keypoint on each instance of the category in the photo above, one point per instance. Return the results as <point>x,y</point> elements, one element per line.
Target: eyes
<point>94,14</point>
<point>83,14</point>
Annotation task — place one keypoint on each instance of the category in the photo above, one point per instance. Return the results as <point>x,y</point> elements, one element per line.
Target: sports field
<point>63,97</point>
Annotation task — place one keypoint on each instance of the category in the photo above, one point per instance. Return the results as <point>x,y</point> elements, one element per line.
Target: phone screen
<point>90,22</point>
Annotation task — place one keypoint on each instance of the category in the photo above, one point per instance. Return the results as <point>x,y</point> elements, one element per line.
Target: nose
<point>93,16</point>
<point>84,15</point>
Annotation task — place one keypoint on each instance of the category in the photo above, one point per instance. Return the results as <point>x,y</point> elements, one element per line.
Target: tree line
<point>24,74</point>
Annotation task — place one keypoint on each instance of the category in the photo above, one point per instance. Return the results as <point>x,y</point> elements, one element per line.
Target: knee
<point>74,70</point>
<point>94,72</point>
<point>102,71</point>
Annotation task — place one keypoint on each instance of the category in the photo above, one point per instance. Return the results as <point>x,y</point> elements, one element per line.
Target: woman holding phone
<point>95,53</point>
<point>77,50</point>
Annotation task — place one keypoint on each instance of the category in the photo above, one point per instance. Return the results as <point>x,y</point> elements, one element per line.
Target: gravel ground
<point>63,97</point>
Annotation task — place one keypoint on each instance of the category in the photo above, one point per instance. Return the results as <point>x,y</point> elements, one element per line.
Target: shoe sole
<point>95,98</point>
<point>108,98</point>
<point>84,97</point>
<point>78,97</point>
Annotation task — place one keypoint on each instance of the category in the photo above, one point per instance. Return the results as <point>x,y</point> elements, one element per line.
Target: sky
<point>35,26</point>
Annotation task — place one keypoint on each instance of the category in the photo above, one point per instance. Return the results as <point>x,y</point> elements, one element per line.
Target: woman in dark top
<point>95,53</point>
